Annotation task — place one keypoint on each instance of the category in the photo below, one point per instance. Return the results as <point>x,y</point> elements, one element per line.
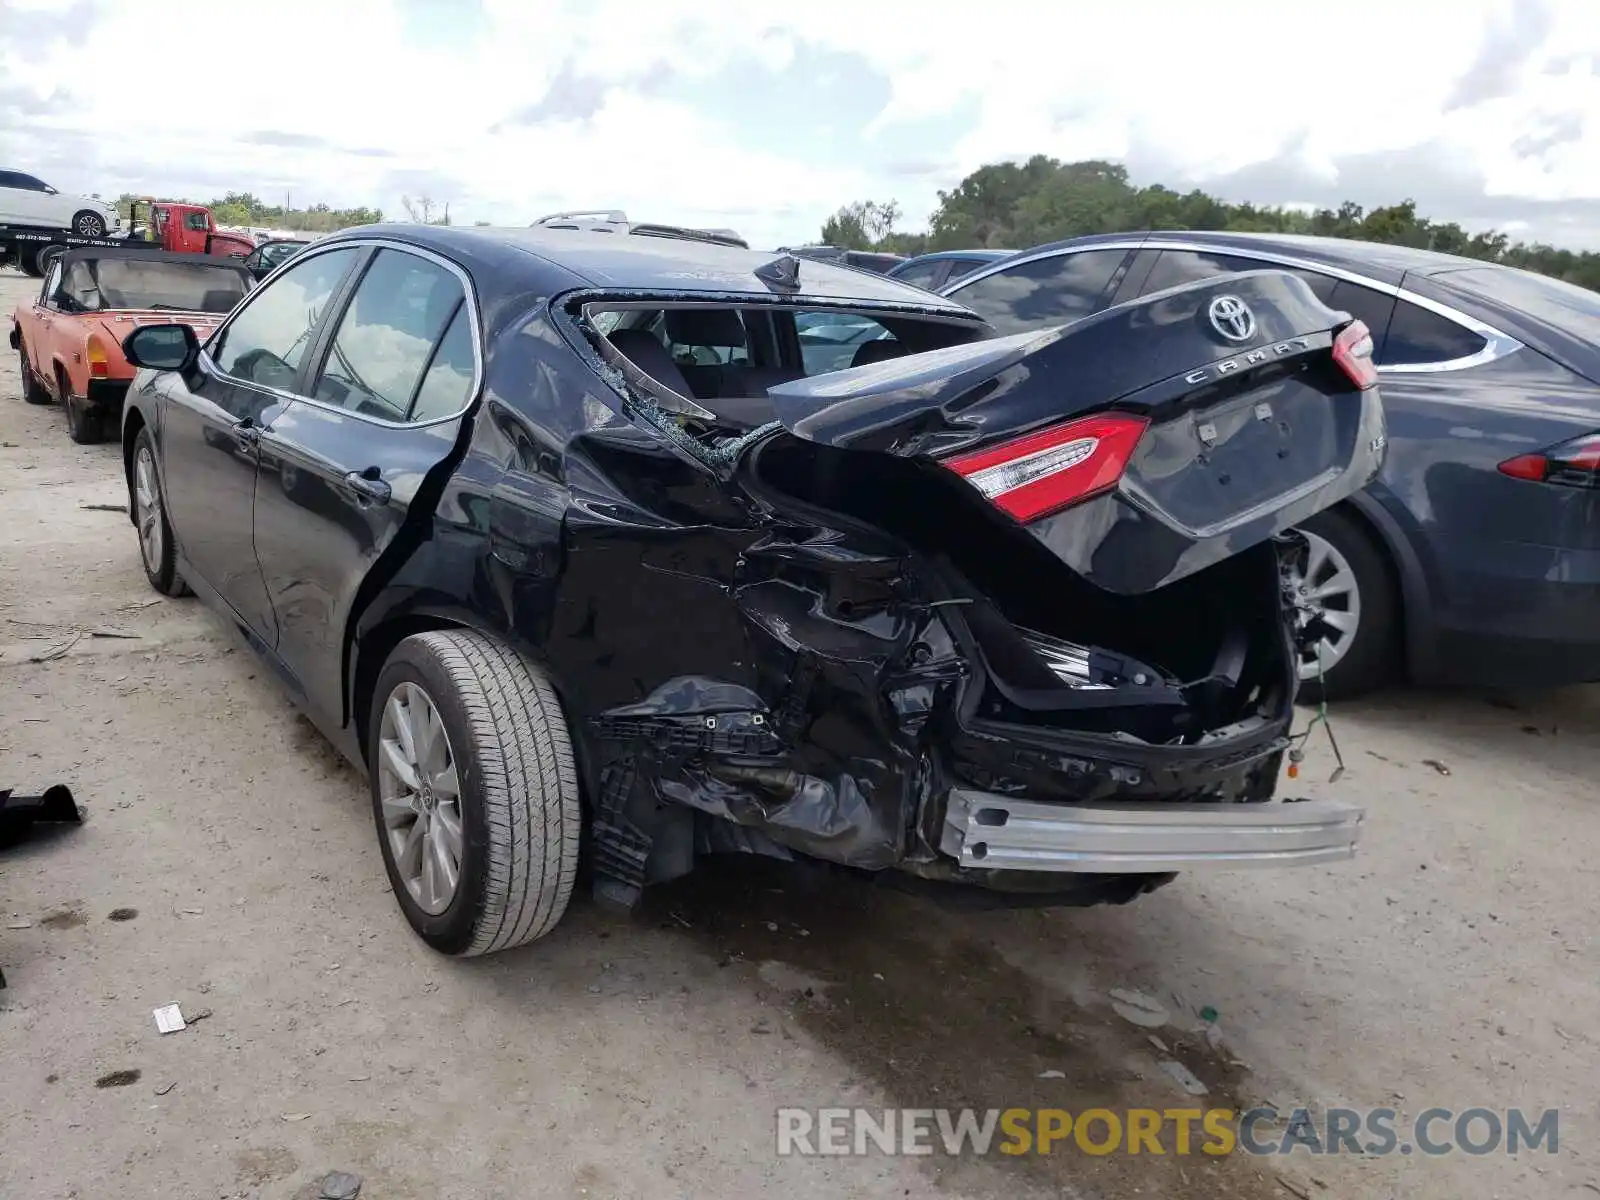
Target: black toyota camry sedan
<point>564,541</point>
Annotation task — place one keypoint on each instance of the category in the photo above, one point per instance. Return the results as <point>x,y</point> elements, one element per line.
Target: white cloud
<point>351,106</point>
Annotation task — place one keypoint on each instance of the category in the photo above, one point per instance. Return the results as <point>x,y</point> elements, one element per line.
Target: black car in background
<point>878,261</point>
<point>1475,557</point>
<point>940,268</point>
<point>560,537</point>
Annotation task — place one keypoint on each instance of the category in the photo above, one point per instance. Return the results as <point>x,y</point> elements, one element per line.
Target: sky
<point>767,117</point>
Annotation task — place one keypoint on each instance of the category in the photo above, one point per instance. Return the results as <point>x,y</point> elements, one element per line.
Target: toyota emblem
<point>1232,318</point>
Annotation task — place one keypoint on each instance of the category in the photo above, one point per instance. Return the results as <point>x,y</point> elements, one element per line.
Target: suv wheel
<point>474,792</point>
<point>150,519</point>
<point>88,223</point>
<point>1346,580</point>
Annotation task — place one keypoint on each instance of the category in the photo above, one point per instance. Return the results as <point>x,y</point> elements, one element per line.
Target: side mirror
<point>161,347</point>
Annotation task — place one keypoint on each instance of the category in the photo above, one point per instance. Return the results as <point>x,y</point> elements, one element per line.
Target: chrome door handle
<point>368,485</point>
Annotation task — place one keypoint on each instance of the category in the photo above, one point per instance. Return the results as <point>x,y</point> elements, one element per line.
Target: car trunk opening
<point>1169,667</point>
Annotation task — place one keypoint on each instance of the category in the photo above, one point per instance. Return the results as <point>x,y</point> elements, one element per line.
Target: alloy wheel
<point>1325,585</point>
<point>147,509</point>
<point>420,795</point>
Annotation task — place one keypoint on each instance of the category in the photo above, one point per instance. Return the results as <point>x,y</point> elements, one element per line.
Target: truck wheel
<point>48,255</point>
<point>150,519</point>
<point>32,390</point>
<point>28,260</point>
<point>1352,587</point>
<point>474,792</point>
<point>88,223</point>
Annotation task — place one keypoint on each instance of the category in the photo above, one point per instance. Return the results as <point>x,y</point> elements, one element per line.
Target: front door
<point>214,419</point>
<point>339,471</point>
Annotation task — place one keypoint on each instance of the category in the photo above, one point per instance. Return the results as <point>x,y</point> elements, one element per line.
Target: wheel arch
<point>1417,641</point>
<point>374,642</point>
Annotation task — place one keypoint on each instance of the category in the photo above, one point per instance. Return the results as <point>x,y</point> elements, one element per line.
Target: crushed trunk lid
<point>1141,444</point>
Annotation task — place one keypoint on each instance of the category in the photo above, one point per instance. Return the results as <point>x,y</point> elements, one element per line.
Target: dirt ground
<point>1452,964</point>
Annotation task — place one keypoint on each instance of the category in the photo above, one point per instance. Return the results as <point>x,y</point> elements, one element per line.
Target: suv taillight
<point>1571,464</point>
<point>1352,350</point>
<point>1033,476</point>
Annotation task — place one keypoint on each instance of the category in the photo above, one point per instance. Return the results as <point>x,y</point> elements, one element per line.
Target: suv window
<point>386,337</point>
<point>1177,267</point>
<point>266,341</point>
<point>1043,292</point>
<point>1370,307</point>
<point>1419,336</point>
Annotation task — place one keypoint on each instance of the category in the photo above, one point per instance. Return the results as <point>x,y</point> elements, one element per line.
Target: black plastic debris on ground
<point>18,814</point>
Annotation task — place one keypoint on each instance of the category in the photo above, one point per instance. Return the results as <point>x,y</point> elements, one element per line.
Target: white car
<point>25,200</point>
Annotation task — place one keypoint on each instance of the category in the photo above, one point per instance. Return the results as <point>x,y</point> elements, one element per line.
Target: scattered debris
<point>64,918</point>
<point>1159,1044</point>
<point>1186,1079</point>
<point>1294,1191</point>
<point>169,1018</point>
<point>341,1185</point>
<point>1052,1074</point>
<point>109,631</point>
<point>196,1018</point>
<point>772,927</point>
<point>1138,1008</point>
<point>1436,765</point>
<point>58,650</point>
<point>141,604</point>
<point>116,508</point>
<point>359,1078</point>
<point>162,1091</point>
<point>19,925</point>
<point>122,914</point>
<point>192,912</point>
<point>118,1078</point>
<point>296,1116</point>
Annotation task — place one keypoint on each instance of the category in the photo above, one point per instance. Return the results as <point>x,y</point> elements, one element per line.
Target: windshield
<point>1573,310</point>
<point>107,283</point>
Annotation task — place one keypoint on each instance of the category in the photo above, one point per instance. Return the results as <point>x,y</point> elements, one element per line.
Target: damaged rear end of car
<point>999,611</point>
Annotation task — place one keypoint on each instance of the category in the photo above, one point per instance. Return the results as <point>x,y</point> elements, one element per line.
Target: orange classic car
<point>70,336</point>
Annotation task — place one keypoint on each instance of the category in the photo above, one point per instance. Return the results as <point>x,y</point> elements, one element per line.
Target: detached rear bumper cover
<point>991,832</point>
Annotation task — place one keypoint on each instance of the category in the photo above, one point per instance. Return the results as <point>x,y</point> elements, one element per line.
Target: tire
<point>28,260</point>
<point>32,390</point>
<point>83,425</point>
<point>145,502</point>
<point>1369,659</point>
<point>516,809</point>
<point>47,255</point>
<point>88,223</point>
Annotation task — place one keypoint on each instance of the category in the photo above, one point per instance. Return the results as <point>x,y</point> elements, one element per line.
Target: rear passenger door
<point>391,377</point>
<point>1039,293</point>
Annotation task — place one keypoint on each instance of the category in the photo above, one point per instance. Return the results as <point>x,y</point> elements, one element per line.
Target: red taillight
<point>1352,350</point>
<point>1033,476</point>
<point>1571,464</point>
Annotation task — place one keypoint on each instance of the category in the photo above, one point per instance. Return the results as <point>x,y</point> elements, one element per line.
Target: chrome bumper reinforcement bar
<point>987,831</point>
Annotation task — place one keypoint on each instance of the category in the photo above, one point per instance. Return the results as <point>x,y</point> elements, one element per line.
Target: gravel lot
<point>1453,964</point>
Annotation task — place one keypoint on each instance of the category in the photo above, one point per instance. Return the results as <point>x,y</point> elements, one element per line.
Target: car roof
<point>1378,260</point>
<point>560,260</point>
<point>964,255</point>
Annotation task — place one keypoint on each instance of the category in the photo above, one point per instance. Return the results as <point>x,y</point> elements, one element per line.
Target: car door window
<point>447,383</point>
<point>1044,291</point>
<point>52,284</point>
<point>960,267</point>
<point>1419,336</point>
<point>921,275</point>
<point>1177,267</point>
<point>385,340</point>
<point>266,342</point>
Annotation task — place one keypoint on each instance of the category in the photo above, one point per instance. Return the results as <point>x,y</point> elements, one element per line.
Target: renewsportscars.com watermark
<point>1177,1131</point>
